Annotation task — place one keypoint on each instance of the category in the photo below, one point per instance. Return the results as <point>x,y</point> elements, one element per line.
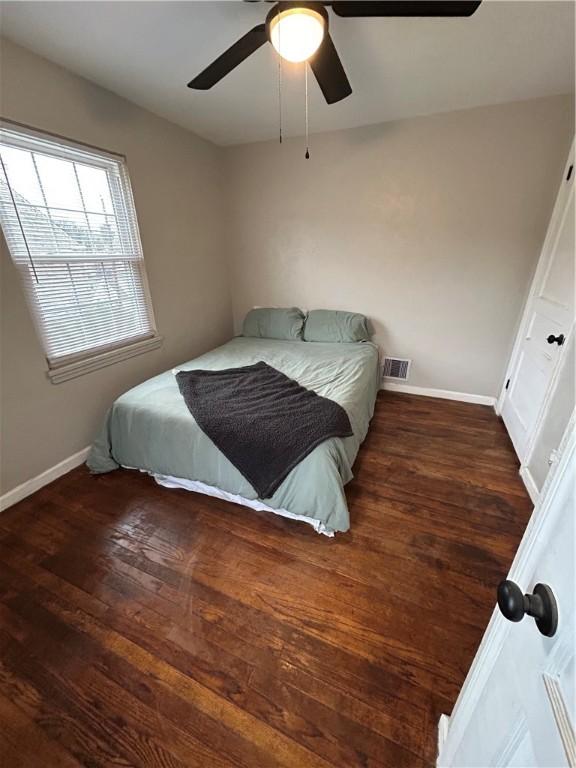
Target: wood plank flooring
<point>141,626</point>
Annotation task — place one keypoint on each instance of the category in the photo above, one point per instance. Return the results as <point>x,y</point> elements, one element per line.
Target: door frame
<point>538,280</point>
<point>451,730</point>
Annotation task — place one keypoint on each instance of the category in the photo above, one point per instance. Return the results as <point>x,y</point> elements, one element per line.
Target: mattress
<point>151,429</point>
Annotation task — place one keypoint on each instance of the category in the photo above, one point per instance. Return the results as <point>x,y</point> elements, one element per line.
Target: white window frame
<point>86,361</point>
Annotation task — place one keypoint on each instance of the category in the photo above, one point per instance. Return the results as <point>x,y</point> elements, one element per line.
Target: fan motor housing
<point>287,6</point>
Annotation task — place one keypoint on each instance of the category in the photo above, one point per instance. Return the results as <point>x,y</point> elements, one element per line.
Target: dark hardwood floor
<point>141,626</point>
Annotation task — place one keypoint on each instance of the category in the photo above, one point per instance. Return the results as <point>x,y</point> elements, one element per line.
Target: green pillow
<point>272,323</point>
<point>333,325</point>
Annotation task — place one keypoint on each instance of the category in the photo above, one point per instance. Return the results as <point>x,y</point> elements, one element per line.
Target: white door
<point>546,325</point>
<point>517,705</point>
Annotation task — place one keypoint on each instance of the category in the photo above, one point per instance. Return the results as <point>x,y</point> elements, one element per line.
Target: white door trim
<point>541,521</point>
<point>529,483</point>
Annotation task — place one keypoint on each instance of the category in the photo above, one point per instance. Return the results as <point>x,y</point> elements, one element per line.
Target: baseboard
<point>444,394</point>
<point>443,725</point>
<point>530,484</point>
<point>35,483</point>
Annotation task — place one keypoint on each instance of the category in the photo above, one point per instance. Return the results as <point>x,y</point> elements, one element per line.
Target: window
<point>69,220</point>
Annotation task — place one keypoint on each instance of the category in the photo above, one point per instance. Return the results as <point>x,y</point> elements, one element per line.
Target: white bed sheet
<point>195,485</point>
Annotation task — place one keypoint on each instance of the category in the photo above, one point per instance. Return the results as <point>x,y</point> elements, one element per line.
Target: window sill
<point>73,370</point>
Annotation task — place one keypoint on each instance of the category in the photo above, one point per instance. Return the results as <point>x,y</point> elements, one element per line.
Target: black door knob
<point>558,339</point>
<point>541,605</point>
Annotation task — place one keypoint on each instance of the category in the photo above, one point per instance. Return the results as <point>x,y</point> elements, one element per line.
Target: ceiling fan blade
<point>420,8</point>
<point>230,59</point>
<point>329,72</point>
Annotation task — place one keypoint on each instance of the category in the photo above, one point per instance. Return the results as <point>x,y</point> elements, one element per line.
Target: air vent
<point>396,368</point>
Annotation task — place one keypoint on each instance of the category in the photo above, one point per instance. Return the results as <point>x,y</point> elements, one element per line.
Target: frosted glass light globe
<point>297,33</point>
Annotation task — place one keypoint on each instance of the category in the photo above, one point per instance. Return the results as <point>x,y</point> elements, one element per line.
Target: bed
<point>150,429</point>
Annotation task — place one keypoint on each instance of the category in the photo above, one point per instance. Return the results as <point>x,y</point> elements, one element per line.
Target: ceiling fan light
<point>297,33</point>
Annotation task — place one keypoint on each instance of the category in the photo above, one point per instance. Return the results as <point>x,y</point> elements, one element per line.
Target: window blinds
<point>69,220</point>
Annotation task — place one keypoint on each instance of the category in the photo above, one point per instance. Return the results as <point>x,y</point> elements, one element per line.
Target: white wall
<point>177,184</point>
<point>431,226</point>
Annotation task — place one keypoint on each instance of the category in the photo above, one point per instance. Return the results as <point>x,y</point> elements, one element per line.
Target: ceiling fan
<point>299,32</point>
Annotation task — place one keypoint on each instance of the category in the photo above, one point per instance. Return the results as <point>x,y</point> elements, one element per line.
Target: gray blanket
<point>263,422</point>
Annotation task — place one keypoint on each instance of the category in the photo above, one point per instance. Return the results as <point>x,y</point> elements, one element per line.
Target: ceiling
<point>147,52</point>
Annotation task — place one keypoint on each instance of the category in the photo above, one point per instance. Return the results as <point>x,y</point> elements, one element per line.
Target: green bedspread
<point>150,427</point>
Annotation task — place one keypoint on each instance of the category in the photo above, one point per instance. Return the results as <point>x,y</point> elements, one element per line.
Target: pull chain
<point>279,78</point>
<point>307,155</point>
